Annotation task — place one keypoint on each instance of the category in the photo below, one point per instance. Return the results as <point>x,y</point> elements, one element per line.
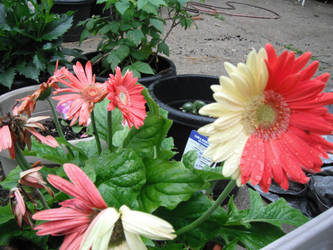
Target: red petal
<point>301,61</point>
<point>309,71</point>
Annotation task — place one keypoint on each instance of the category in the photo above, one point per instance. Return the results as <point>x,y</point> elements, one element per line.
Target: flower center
<point>92,93</point>
<point>123,98</point>
<point>267,115</point>
<point>118,235</point>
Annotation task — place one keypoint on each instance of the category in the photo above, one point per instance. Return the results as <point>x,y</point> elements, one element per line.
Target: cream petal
<point>146,224</point>
<point>100,230</point>
<point>123,246</point>
<point>241,84</point>
<point>222,97</point>
<point>228,120</point>
<point>134,241</point>
<point>229,88</point>
<point>229,67</point>
<point>207,129</point>
<point>216,88</point>
<point>231,165</point>
<point>226,135</point>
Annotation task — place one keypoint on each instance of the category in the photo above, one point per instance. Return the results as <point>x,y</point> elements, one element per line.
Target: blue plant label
<point>198,143</point>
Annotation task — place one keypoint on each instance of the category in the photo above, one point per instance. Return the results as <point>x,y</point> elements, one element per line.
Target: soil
<point>67,130</point>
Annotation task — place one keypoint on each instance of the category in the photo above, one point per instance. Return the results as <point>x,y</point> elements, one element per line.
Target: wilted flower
<point>18,129</point>
<point>74,216</point>
<point>33,178</point>
<point>83,93</point>
<point>20,211</point>
<point>121,230</point>
<point>28,103</point>
<point>270,119</point>
<point>124,93</point>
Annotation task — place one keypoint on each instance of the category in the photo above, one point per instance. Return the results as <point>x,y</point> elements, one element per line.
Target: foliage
<point>30,40</point>
<point>134,32</point>
<point>139,172</point>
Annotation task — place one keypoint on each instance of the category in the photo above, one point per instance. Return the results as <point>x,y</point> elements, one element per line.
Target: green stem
<point>208,213</point>
<point>42,199</point>
<point>98,142</point>
<point>109,129</point>
<point>56,121</point>
<point>20,159</point>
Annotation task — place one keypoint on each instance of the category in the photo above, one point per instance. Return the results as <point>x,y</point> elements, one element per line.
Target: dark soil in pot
<point>160,64</point>
<point>70,133</point>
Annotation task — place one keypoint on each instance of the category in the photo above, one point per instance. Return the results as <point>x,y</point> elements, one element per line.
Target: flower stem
<point>20,159</point>
<point>109,130</point>
<point>56,121</point>
<point>98,142</point>
<point>208,213</point>
<point>42,199</point>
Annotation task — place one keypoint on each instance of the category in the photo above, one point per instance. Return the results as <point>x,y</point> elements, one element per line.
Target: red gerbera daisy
<point>124,93</point>
<point>271,119</point>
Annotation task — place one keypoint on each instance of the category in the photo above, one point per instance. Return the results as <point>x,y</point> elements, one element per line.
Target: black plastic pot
<point>164,68</point>
<point>82,10</point>
<point>172,92</point>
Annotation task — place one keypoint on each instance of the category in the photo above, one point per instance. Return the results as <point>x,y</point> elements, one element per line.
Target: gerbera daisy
<point>121,230</point>
<point>84,92</point>
<point>270,119</point>
<point>74,216</point>
<point>125,94</point>
<point>18,129</point>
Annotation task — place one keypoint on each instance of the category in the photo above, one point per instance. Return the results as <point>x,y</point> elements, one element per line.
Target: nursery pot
<point>164,68</point>
<point>172,92</point>
<point>82,10</point>
<point>7,102</point>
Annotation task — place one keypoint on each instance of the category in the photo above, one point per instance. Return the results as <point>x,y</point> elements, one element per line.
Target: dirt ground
<point>204,47</point>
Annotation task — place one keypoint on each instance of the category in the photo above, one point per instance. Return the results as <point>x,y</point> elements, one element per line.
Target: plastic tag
<point>198,143</point>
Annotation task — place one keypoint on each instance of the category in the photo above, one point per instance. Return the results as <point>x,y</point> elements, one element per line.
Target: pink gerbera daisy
<point>126,95</point>
<point>270,119</point>
<point>74,216</point>
<point>84,92</point>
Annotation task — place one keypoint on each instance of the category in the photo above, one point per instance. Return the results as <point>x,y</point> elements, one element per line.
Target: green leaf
<point>158,24</point>
<point>143,67</point>
<point>276,213</point>
<point>122,6</point>
<point>101,119</point>
<point>113,60</point>
<point>168,183</point>
<point>147,139</point>
<point>12,178</point>
<point>158,3</point>
<point>141,3</point>
<point>77,129</point>
<point>255,237</point>
<point>5,214</point>
<point>163,48</point>
<point>122,174</point>
<point>135,36</point>
<point>122,52</point>
<point>28,71</point>
<point>57,28</point>
<point>187,212</point>
<point>7,77</point>
<point>8,231</point>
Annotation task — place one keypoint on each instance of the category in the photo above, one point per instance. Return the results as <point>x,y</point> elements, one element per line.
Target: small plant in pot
<point>133,35</point>
<point>30,42</point>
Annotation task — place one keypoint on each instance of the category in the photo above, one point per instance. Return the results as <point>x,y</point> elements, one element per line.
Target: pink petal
<point>56,214</point>
<point>5,138</point>
<point>72,241</point>
<point>48,140</point>
<point>83,183</point>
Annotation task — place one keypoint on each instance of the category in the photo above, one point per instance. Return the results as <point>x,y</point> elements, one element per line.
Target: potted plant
<point>133,37</point>
<point>130,193</point>
<point>30,42</point>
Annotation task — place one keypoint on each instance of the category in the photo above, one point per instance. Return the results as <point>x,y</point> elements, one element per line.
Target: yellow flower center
<point>266,115</point>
